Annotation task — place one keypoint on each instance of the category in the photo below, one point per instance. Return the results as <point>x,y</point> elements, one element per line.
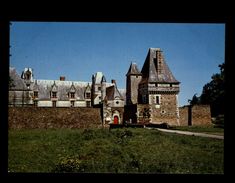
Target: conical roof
<point>133,70</point>
<point>155,68</point>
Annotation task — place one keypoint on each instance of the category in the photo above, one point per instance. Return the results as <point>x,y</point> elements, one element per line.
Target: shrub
<point>88,134</point>
<point>68,164</point>
<point>219,121</point>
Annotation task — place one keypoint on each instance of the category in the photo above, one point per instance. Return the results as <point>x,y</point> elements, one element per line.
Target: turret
<point>133,77</point>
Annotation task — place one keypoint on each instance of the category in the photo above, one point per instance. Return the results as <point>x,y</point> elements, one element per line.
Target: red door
<point>115,120</point>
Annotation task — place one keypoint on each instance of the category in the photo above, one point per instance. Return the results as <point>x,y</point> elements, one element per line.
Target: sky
<point>77,50</point>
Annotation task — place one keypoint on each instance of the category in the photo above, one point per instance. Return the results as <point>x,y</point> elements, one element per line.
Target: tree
<point>213,93</point>
<point>194,100</point>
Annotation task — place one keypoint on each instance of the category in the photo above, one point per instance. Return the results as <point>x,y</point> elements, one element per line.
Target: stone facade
<point>29,92</point>
<point>154,90</point>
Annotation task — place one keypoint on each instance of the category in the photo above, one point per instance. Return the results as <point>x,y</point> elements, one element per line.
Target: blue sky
<point>78,50</point>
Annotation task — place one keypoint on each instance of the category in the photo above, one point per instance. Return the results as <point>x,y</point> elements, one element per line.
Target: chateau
<point>151,95</point>
<point>28,91</point>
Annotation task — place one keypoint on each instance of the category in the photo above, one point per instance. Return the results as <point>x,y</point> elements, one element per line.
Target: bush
<point>68,164</point>
<point>219,121</point>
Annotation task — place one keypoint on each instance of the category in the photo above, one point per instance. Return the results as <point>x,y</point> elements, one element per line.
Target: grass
<point>116,151</point>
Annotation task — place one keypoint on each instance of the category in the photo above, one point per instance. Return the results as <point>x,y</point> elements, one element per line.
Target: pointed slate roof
<point>112,93</point>
<point>155,69</point>
<point>133,70</point>
<point>103,79</point>
<point>98,77</point>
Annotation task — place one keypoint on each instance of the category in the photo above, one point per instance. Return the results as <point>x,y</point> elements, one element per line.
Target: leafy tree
<point>194,100</point>
<point>213,93</point>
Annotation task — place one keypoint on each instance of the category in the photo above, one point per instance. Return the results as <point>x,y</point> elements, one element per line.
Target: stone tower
<point>159,90</point>
<point>96,88</point>
<point>103,88</point>
<point>27,75</point>
<point>133,77</point>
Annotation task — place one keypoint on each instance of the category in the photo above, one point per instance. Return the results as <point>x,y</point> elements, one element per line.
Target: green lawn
<point>116,151</point>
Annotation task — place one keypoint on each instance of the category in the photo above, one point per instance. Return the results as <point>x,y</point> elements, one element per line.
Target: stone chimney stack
<point>160,60</point>
<point>62,78</point>
<point>113,81</point>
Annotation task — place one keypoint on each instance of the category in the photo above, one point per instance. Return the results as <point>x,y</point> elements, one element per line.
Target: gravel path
<point>191,133</point>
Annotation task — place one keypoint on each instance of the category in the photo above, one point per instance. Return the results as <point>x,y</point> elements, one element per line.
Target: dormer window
<point>54,95</point>
<point>88,95</point>
<point>35,94</point>
<point>72,95</point>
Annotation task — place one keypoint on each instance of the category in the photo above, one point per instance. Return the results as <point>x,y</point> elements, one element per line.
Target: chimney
<point>62,78</point>
<point>160,60</point>
<point>113,81</point>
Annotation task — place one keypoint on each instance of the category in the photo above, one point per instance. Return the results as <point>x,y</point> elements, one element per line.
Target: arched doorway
<point>115,120</point>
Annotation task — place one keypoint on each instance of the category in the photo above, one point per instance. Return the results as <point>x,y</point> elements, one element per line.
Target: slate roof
<point>18,82</point>
<point>98,77</point>
<point>112,93</point>
<point>155,72</point>
<point>133,70</point>
<point>44,87</point>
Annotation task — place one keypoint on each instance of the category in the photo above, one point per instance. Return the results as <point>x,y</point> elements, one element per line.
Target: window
<point>163,111</point>
<point>53,103</point>
<point>54,94</point>
<point>72,95</point>
<point>72,103</point>
<point>117,102</point>
<point>157,100</point>
<point>88,95</point>
<point>35,103</point>
<point>144,99</point>
<point>99,88</point>
<point>136,76</point>
<point>35,94</point>
<point>88,103</point>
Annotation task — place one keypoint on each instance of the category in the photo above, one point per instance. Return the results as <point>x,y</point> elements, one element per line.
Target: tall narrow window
<point>53,103</point>
<point>54,95</point>
<point>35,103</point>
<point>88,103</point>
<point>88,95</point>
<point>35,94</point>
<point>72,95</point>
<point>157,100</point>
<point>72,103</point>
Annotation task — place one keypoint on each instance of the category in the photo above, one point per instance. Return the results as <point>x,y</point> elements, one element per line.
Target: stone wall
<point>30,117</point>
<point>200,115</point>
<point>183,115</point>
